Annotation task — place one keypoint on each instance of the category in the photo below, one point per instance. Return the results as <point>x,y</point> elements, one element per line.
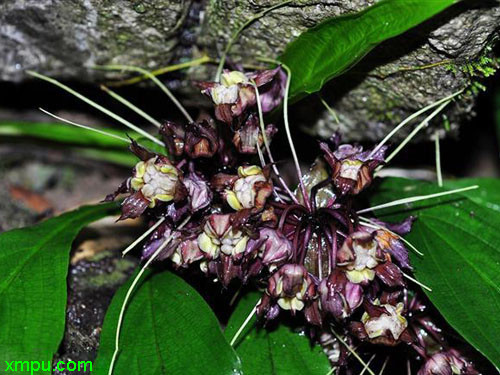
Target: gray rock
<point>446,54</point>
<point>62,37</point>
<point>390,83</point>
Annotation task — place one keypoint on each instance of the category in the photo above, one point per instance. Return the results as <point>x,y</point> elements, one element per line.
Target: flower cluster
<point>315,257</point>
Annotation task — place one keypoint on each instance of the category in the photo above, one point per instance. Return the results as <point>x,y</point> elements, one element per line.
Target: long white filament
<point>245,323</point>
<point>416,282</point>
<point>153,78</point>
<point>85,126</point>
<point>369,223</point>
<point>367,364</point>
<point>143,236</point>
<point>411,117</point>
<point>416,199</point>
<point>353,352</point>
<point>384,365</point>
<point>414,132</point>
<point>268,148</point>
<point>131,289</point>
<point>133,107</point>
<point>438,160</point>
<point>95,105</point>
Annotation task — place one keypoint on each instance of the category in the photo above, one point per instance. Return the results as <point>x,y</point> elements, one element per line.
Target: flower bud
<point>249,137</point>
<point>352,169</point>
<point>276,248</point>
<point>201,140</point>
<point>198,190</point>
<point>450,362</point>
<point>186,252</point>
<point>173,135</point>
<point>389,274</point>
<point>338,295</point>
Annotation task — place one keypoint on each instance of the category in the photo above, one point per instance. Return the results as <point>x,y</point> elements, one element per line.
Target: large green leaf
<point>335,45</point>
<point>276,352</point>
<point>460,238</point>
<point>33,269</point>
<point>168,329</point>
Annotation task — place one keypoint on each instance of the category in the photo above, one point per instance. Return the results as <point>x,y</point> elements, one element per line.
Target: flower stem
<point>305,195</point>
<point>268,147</point>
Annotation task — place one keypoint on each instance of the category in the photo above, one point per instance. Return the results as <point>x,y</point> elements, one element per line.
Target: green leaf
<point>64,134</point>
<point>168,329</point>
<point>497,114</point>
<point>33,269</point>
<point>277,352</point>
<point>460,238</point>
<point>332,47</point>
<point>123,158</point>
<point>88,143</point>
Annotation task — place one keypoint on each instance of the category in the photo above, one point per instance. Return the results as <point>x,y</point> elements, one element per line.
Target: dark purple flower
<point>352,169</point>
<point>249,137</point>
<point>173,135</point>
<point>272,246</point>
<point>250,190</point>
<point>292,287</point>
<point>220,236</point>
<point>358,255</point>
<point>450,362</point>
<point>382,324</point>
<point>154,180</point>
<point>271,85</point>
<point>389,274</point>
<point>338,295</point>
<point>198,191</point>
<point>201,140</point>
<point>235,92</point>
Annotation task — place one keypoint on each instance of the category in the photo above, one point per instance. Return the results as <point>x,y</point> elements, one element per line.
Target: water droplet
<point>140,8</point>
<point>18,66</point>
